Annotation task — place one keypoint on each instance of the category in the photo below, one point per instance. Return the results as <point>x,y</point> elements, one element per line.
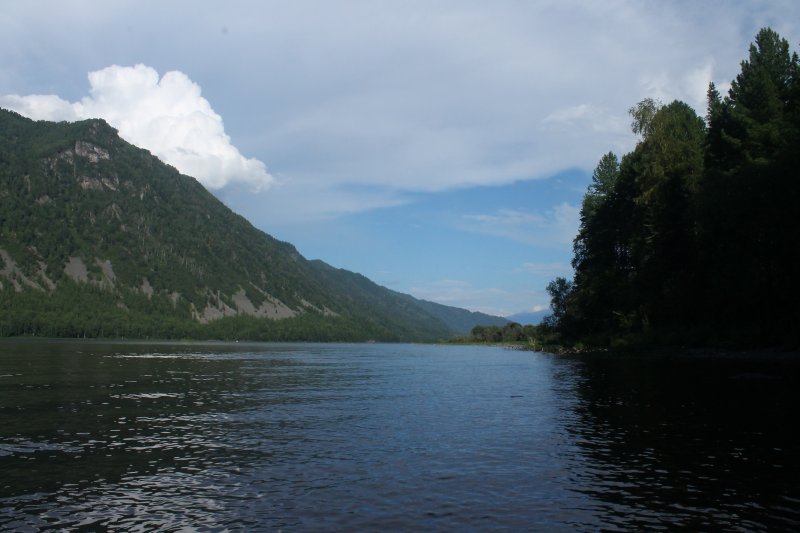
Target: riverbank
<point>639,350</point>
<point>674,351</point>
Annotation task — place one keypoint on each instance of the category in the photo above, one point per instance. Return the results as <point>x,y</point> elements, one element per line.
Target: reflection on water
<point>324,437</point>
<point>692,443</point>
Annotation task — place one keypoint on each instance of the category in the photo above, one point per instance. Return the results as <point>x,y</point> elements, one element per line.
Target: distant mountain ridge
<point>529,318</point>
<point>100,238</point>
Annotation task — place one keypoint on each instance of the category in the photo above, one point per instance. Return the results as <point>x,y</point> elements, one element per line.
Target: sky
<point>441,148</point>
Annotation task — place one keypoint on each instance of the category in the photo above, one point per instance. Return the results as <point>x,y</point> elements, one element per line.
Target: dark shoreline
<point>682,352</point>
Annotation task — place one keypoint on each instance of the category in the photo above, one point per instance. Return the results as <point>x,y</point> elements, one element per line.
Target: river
<point>380,437</point>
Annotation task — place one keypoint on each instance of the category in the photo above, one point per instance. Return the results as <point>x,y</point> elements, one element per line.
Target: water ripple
<point>338,437</point>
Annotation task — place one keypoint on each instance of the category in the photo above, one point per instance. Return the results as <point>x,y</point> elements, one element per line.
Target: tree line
<point>693,237</point>
<point>81,310</point>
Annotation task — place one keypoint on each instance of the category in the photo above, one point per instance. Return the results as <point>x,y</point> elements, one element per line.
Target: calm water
<point>392,437</point>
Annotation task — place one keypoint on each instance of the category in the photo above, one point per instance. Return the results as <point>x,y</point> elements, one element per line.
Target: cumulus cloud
<point>166,115</point>
<point>409,97</point>
<point>40,107</point>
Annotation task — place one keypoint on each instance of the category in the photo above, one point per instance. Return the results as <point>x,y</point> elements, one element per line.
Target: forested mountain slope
<point>100,238</point>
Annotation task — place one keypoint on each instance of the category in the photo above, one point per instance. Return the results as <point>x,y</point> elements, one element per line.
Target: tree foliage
<point>511,332</point>
<point>693,237</point>
<point>77,190</point>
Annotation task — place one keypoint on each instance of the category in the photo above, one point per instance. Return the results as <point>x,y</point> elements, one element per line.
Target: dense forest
<point>692,238</point>
<point>99,238</point>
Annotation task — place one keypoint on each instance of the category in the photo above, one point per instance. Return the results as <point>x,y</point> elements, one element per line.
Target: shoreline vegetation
<point>692,239</point>
<point>643,350</point>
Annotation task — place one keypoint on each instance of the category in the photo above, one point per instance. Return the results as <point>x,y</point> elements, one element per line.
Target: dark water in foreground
<point>392,437</point>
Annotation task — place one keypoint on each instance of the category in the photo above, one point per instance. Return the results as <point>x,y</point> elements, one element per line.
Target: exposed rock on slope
<point>84,212</point>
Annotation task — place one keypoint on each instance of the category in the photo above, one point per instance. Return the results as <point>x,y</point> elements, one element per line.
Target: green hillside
<point>100,238</point>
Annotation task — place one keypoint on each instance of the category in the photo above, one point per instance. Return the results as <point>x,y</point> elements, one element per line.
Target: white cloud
<point>695,85</point>
<point>358,105</point>
<point>588,116</point>
<point>407,96</point>
<point>490,300</point>
<point>321,202</point>
<point>166,115</point>
<point>548,270</point>
<point>40,107</point>
<point>687,84</point>
<point>554,227</point>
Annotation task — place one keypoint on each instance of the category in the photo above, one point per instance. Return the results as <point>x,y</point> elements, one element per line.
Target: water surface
<point>124,436</point>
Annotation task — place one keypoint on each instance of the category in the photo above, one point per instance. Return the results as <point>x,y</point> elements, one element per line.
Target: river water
<point>319,437</point>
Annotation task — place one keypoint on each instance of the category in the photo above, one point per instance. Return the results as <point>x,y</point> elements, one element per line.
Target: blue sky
<point>439,148</point>
<point>481,247</point>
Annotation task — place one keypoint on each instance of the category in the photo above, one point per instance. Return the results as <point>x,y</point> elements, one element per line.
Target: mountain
<point>100,238</point>
<point>532,318</point>
<point>458,319</point>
